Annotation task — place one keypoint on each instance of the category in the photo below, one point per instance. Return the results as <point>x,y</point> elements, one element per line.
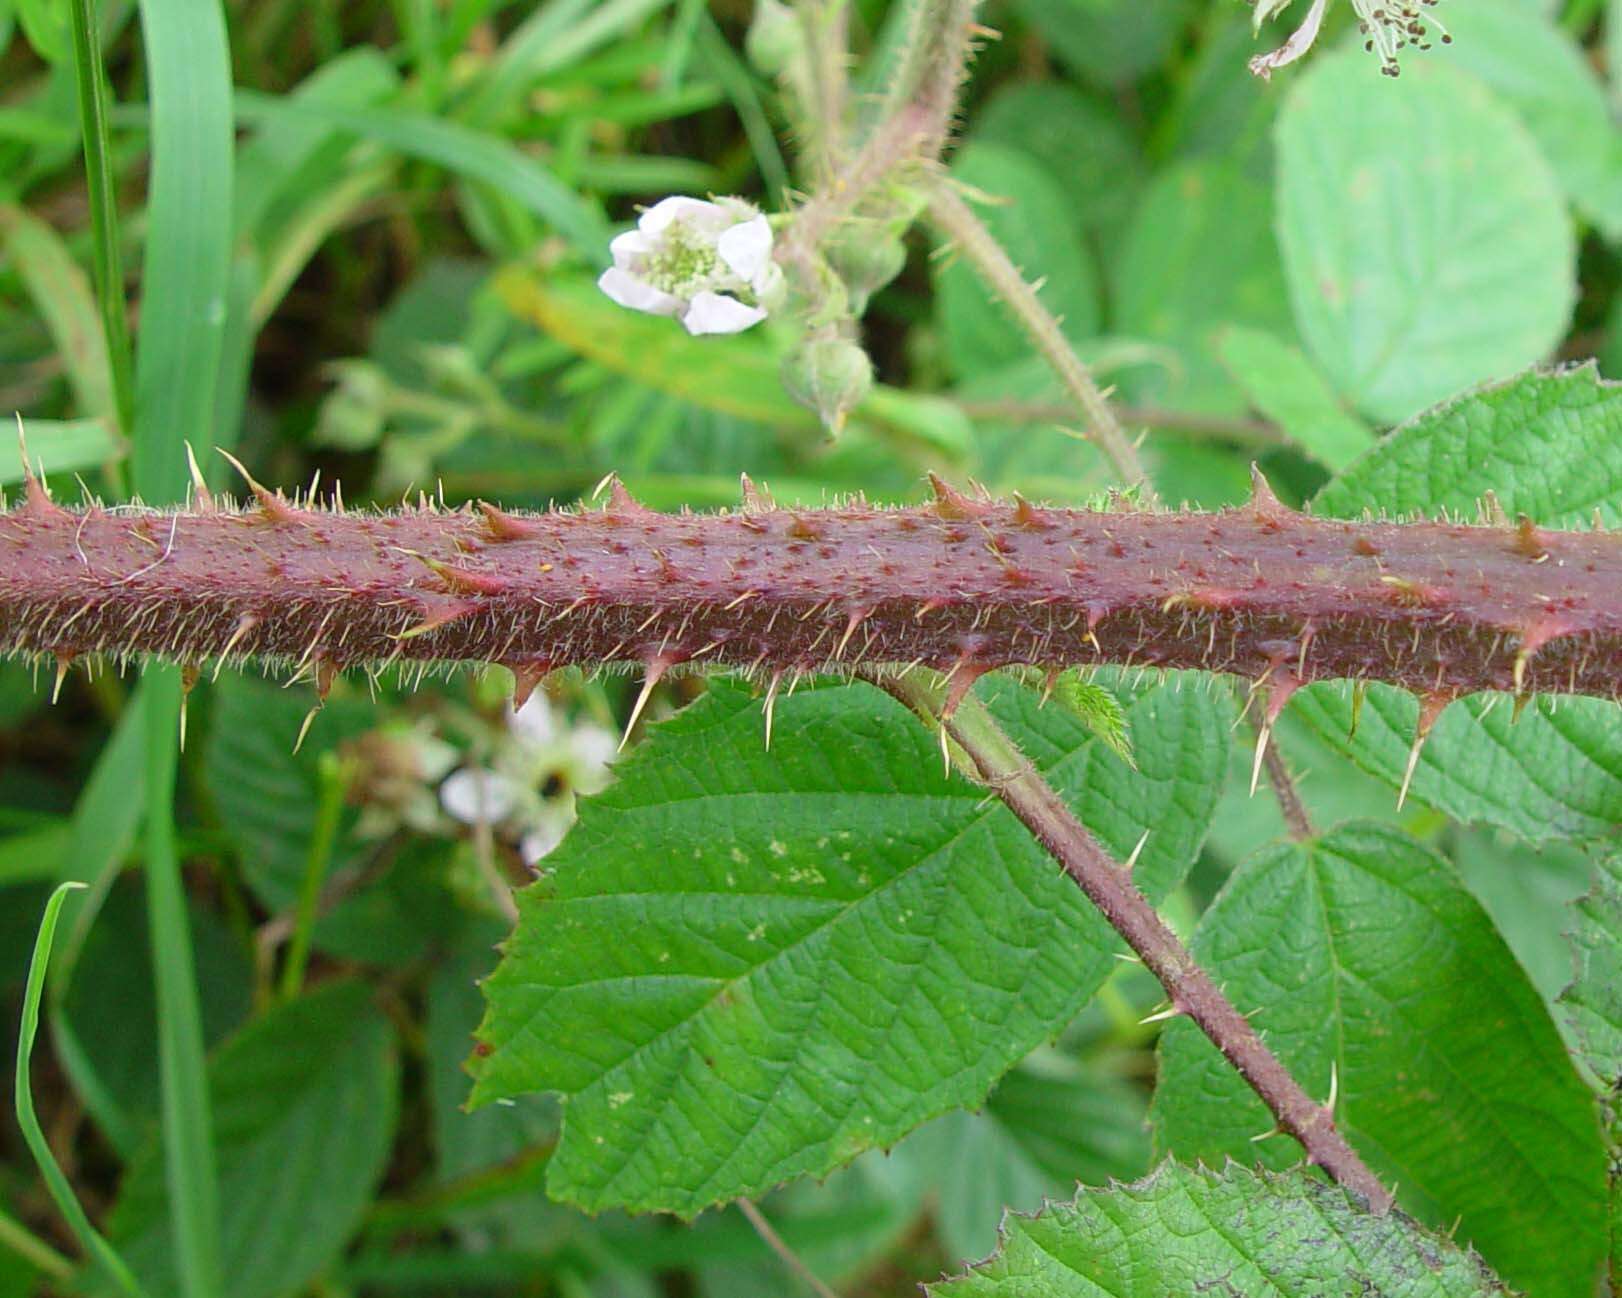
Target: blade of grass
<point>32,1249</point>
<point>457,148</point>
<point>28,1121</point>
<point>108,265</point>
<point>334,784</point>
<point>184,313</point>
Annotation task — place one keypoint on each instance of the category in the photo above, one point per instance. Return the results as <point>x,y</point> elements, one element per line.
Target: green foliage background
<point>829,976</point>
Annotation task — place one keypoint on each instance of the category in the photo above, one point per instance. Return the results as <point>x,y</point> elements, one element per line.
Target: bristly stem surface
<point>998,764</point>
<point>968,234</point>
<point>961,584</point>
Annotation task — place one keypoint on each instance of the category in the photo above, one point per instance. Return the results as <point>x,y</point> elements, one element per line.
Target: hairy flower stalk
<point>960,584</point>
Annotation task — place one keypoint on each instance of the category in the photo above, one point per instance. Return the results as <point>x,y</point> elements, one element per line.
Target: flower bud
<point>831,375</point>
<point>775,40</point>
<point>867,255</point>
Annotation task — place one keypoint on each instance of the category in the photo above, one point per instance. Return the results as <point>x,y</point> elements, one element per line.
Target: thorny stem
<point>778,1245</point>
<point>824,24</point>
<point>960,584</point>
<point>969,236</point>
<point>998,764</point>
<point>1290,805</point>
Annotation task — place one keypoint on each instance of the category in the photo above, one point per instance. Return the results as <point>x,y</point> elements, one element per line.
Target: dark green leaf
<point>827,945</point>
<point>1182,1231</point>
<point>1363,958</point>
<point>304,1105</point>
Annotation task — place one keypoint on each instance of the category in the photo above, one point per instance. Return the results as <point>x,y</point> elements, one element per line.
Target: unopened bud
<point>867,255</point>
<point>775,40</point>
<point>830,375</point>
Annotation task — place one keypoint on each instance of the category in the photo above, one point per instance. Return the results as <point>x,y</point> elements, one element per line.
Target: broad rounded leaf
<point>1362,957</point>
<point>304,1103</point>
<point>1182,1231</point>
<point>748,966</point>
<point>1425,239</point>
<point>1199,257</point>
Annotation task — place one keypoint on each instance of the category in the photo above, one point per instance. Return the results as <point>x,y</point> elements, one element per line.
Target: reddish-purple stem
<point>960,584</point>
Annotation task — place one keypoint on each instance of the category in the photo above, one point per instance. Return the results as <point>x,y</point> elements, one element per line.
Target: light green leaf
<point>304,1103</point>
<point>1536,68</point>
<point>1033,220</point>
<point>1362,957</point>
<point>1593,1002</point>
<point>1425,239</point>
<point>1547,444</point>
<point>1199,257</point>
<point>749,966</point>
<point>1181,1231</point>
<point>1282,383</point>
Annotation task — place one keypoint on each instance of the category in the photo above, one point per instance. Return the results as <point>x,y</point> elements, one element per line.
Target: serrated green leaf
<point>1554,773</point>
<point>749,966</point>
<point>1032,219</point>
<point>1281,382</point>
<point>1593,1002</point>
<point>1098,710</point>
<point>1425,239</point>
<point>1199,257</point>
<point>304,1103</point>
<point>1181,1231</point>
<point>1362,953</point>
<point>1547,444</point>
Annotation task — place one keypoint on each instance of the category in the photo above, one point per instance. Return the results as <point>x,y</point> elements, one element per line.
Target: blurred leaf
<point>1199,257</point>
<point>466,152</point>
<point>62,295</point>
<point>1282,383</point>
<point>733,1019</point>
<point>1110,42</point>
<point>1047,1126</point>
<point>266,793</point>
<point>1426,243</point>
<point>112,1014</point>
<point>1037,226</point>
<point>1362,956</point>
<point>1593,1002</point>
<point>1080,142</point>
<point>60,446</point>
<point>1183,1231</point>
<point>304,1102</point>
<point>1540,72</point>
<point>45,25</point>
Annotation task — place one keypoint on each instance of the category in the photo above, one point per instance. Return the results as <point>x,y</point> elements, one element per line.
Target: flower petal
<point>627,248</point>
<point>540,842</point>
<point>477,797</point>
<point>693,211</point>
<point>714,313</point>
<point>533,723</point>
<point>638,294</point>
<point>747,249</point>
